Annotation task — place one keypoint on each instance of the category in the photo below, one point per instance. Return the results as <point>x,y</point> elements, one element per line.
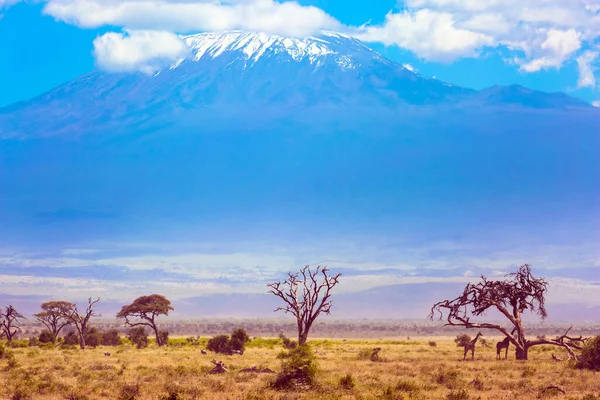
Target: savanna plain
<point>411,368</point>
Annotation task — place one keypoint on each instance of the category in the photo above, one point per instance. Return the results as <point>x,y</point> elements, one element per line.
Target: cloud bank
<point>534,35</point>
<point>145,51</point>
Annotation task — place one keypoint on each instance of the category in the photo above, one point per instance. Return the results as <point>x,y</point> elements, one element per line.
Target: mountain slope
<point>237,73</point>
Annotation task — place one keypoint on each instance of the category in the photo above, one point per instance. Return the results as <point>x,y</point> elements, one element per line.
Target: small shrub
<point>111,337</point>
<point>33,342</point>
<point>590,356</point>
<point>432,343</point>
<point>239,338</point>
<point>458,395</point>
<point>408,386</point>
<point>477,383</point>
<point>462,340</point>
<point>219,344</point>
<point>93,337</point>
<point>194,341</point>
<point>590,397</point>
<point>18,343</point>
<point>138,336</point>
<point>164,337</point>
<point>12,362</point>
<point>71,339</point>
<point>46,336</point>
<point>450,378</point>
<point>287,342</point>
<point>299,369</point>
<point>130,392</point>
<point>347,382</point>
<point>528,371</point>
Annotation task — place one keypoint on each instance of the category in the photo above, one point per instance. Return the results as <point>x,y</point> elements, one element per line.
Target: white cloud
<point>7,3</point>
<point>540,34</point>
<point>288,18</point>
<point>558,46</point>
<point>596,103</point>
<point>145,51</point>
<point>429,34</point>
<point>586,69</point>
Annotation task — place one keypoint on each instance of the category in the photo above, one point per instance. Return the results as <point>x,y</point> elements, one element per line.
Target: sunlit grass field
<point>407,369</point>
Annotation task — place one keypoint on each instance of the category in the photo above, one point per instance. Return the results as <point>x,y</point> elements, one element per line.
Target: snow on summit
<point>345,51</point>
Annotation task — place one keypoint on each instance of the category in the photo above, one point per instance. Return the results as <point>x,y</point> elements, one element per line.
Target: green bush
<point>138,337</point>
<point>590,356</point>
<point>93,337</point>
<point>462,340</point>
<point>18,343</point>
<point>239,338</point>
<point>225,344</point>
<point>298,369</point>
<point>71,339</point>
<point>287,342</point>
<point>219,344</point>
<point>164,337</point>
<point>46,337</point>
<point>111,337</point>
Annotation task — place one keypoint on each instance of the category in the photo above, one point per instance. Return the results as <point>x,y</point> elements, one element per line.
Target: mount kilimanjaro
<point>260,77</point>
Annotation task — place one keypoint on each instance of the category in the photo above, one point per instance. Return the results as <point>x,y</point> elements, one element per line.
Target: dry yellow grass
<point>408,370</point>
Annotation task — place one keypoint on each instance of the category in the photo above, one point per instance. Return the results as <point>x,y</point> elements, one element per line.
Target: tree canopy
<point>146,309</point>
<point>306,295</point>
<point>518,292</point>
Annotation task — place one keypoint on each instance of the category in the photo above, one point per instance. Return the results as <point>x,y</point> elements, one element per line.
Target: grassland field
<point>408,369</point>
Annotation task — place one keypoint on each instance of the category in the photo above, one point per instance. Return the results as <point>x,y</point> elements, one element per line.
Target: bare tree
<point>52,316</point>
<point>518,292</point>
<point>80,320</point>
<point>10,322</point>
<point>306,295</point>
<point>146,308</point>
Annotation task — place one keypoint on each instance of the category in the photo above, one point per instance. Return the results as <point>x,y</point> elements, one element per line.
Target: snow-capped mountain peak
<point>250,47</point>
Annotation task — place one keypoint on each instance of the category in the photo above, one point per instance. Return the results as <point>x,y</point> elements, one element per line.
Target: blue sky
<point>550,45</point>
<point>188,214</point>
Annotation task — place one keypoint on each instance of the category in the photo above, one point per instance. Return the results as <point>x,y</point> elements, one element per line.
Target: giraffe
<point>471,347</point>
<point>502,345</point>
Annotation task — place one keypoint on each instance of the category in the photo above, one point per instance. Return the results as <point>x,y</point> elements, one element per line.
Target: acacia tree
<point>10,322</point>
<point>53,316</point>
<point>518,292</point>
<point>306,295</point>
<point>80,320</point>
<point>146,309</point>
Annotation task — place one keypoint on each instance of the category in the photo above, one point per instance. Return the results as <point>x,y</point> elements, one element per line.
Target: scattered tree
<point>518,292</point>
<point>10,323</point>
<point>306,295</point>
<point>52,316</point>
<point>146,309</point>
<point>138,336</point>
<point>590,356</point>
<point>80,320</point>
